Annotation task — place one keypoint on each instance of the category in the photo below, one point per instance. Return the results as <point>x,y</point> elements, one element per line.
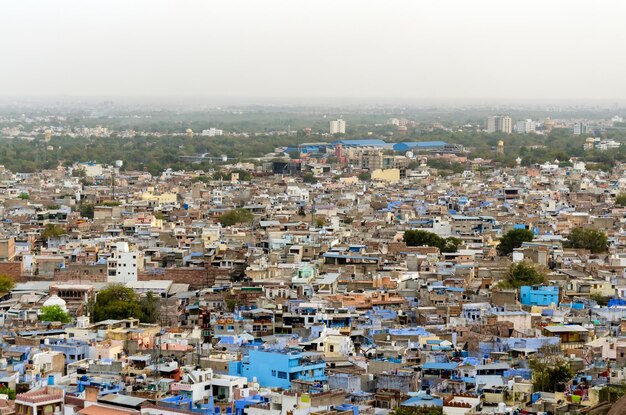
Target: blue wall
<point>539,295</point>
<point>278,369</point>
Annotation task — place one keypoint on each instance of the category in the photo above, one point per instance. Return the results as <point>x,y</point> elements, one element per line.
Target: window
<point>282,375</point>
<point>273,373</point>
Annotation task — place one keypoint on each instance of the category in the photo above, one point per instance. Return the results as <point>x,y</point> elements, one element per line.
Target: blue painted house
<point>277,369</point>
<point>74,350</point>
<point>542,295</point>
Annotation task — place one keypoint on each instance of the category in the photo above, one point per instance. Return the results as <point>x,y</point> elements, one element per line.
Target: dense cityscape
<point>312,208</point>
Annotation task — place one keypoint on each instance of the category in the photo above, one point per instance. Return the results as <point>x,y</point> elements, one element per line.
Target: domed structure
<point>55,300</point>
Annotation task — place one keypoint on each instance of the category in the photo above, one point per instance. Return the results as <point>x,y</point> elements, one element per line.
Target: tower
<point>189,133</point>
<point>500,149</point>
<point>338,126</point>
<point>47,136</point>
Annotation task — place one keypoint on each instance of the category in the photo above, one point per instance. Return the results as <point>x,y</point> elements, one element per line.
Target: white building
<point>123,264</point>
<point>580,128</point>
<point>338,126</point>
<point>200,384</point>
<point>525,126</point>
<point>499,123</point>
<point>90,169</point>
<point>212,132</point>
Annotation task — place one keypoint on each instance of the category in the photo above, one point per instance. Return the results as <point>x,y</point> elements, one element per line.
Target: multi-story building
<point>540,295</point>
<point>580,128</point>
<point>338,126</point>
<point>7,249</point>
<point>499,123</point>
<point>123,264</point>
<point>212,132</point>
<point>278,369</point>
<point>525,126</point>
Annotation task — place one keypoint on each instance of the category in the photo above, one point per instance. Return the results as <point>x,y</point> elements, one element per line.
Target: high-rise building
<point>580,128</point>
<point>507,124</point>
<point>525,126</point>
<point>492,125</point>
<point>338,126</point>
<point>499,123</point>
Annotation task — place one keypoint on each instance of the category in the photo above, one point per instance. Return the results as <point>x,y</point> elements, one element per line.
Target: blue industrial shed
<point>419,145</point>
<point>368,142</point>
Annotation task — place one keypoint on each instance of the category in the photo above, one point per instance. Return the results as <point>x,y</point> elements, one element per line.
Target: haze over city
<point>286,51</point>
<point>312,207</point>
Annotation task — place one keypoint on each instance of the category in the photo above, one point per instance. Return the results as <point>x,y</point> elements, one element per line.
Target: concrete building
<point>7,249</point>
<point>580,128</point>
<point>499,123</point>
<point>278,369</point>
<point>212,132</point>
<point>539,295</point>
<point>338,126</point>
<point>123,264</point>
<point>525,126</point>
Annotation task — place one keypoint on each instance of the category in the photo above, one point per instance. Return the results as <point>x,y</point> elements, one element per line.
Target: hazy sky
<point>342,48</point>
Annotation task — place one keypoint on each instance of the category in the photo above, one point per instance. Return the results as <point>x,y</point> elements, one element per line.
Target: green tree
<point>5,390</point>
<point>79,172</point>
<point>591,239</point>
<point>116,302</point>
<point>86,210</point>
<point>514,239</point>
<point>6,283</point>
<point>309,178</point>
<point>600,299</point>
<point>24,196</point>
<point>450,244</point>
<point>549,372</point>
<point>425,238</point>
<point>231,303</point>
<point>620,199</point>
<point>150,305</point>
<point>365,176</point>
<point>522,273</point>
<point>52,231</point>
<point>421,238</point>
<point>236,216</point>
<point>54,313</point>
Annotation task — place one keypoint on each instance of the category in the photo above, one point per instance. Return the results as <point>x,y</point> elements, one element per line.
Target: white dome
<point>55,300</point>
